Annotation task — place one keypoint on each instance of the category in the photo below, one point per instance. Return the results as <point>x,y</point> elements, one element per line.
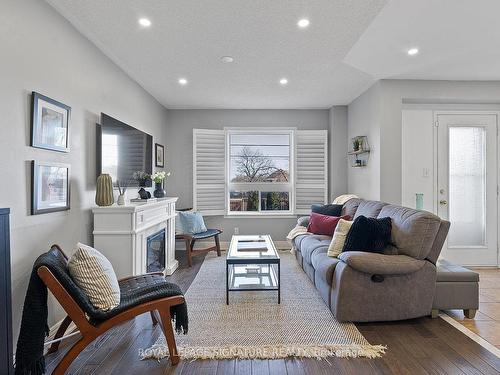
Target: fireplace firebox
<point>155,251</point>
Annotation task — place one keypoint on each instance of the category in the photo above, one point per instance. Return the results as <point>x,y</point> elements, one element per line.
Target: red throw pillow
<point>324,224</point>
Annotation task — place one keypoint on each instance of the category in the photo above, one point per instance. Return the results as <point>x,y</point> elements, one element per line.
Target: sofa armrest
<point>303,221</point>
<point>381,264</point>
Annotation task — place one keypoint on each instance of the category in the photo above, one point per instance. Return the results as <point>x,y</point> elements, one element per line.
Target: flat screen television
<point>123,150</point>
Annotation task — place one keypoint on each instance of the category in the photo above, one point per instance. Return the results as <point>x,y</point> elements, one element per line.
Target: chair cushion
<point>380,264</point>
<point>94,274</point>
<point>190,222</point>
<point>449,272</point>
<point>207,234</point>
<point>324,265</point>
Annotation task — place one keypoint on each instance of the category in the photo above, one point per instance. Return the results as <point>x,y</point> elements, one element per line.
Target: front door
<point>467,186</point>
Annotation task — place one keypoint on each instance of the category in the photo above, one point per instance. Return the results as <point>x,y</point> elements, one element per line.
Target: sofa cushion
<point>380,264</point>
<point>369,208</point>
<point>324,265</point>
<point>449,272</point>
<point>339,237</point>
<point>351,206</point>
<point>413,231</point>
<point>312,243</point>
<point>368,234</point>
<point>324,224</point>
<point>327,209</point>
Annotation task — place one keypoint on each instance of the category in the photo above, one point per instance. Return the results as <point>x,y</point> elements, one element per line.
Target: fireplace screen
<point>156,252</point>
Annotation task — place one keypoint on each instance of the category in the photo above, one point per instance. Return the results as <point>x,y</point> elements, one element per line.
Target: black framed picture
<point>159,155</point>
<point>50,187</point>
<point>49,123</point>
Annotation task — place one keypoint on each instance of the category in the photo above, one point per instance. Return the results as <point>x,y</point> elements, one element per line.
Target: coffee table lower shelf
<point>253,275</point>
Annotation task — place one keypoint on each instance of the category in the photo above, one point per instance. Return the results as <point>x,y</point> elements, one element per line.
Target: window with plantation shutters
<point>259,171</point>
<point>209,184</point>
<point>311,181</point>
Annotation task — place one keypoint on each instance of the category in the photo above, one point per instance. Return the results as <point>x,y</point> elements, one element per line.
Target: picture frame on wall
<point>50,187</point>
<point>159,155</point>
<point>49,123</point>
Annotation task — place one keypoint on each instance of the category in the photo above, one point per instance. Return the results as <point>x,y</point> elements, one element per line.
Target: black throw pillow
<point>327,209</point>
<point>368,234</point>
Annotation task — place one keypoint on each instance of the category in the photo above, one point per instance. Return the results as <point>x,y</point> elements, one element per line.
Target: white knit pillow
<point>94,274</point>
<point>339,236</point>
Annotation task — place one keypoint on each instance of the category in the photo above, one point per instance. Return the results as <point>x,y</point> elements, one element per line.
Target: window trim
<point>247,186</point>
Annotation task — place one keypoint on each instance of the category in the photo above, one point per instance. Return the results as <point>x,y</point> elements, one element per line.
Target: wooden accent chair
<point>190,239</point>
<point>140,294</point>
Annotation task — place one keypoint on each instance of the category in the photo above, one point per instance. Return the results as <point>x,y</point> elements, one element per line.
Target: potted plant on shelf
<point>158,178</point>
<point>142,177</point>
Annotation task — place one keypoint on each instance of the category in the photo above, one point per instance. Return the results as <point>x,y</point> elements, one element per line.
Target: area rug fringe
<point>160,351</point>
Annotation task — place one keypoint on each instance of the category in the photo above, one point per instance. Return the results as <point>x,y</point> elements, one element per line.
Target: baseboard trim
<point>224,245</point>
<point>473,336</point>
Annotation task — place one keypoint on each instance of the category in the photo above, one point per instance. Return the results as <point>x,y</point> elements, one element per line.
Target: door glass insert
<point>467,186</point>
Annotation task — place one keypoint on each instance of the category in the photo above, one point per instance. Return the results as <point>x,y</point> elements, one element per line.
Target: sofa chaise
<point>361,286</point>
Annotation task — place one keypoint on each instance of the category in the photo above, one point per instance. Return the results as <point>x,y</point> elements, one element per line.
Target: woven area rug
<point>255,326</point>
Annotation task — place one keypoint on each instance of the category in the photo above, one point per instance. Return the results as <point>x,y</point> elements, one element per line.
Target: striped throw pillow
<point>94,274</point>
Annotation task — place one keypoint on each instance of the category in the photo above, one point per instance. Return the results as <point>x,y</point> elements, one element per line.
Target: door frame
<point>435,114</point>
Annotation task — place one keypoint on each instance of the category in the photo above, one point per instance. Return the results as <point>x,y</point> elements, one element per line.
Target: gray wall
<point>42,52</point>
<point>337,140</point>
<point>378,113</point>
<point>179,146</point>
<point>363,119</point>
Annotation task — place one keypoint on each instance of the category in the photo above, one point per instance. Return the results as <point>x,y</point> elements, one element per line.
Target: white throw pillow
<point>94,274</point>
<point>339,236</point>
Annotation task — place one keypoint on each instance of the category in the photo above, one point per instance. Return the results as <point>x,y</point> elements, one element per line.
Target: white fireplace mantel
<point>121,233</point>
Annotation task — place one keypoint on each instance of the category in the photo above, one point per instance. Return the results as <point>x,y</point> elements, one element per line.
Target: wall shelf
<point>360,151</point>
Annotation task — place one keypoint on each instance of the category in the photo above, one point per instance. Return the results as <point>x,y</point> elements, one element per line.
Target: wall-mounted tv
<point>122,150</point>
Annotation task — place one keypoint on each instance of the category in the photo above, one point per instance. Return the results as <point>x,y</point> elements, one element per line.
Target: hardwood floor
<point>419,346</point>
<point>486,323</point>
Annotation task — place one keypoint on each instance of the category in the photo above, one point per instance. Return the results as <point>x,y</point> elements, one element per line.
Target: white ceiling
<point>348,45</point>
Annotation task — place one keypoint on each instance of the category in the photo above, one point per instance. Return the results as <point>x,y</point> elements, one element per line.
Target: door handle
<point>443,202</point>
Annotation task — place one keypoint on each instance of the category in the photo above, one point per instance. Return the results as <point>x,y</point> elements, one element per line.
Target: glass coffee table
<point>252,264</point>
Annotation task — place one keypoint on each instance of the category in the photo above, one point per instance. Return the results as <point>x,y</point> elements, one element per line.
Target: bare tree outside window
<point>257,159</point>
<point>253,166</point>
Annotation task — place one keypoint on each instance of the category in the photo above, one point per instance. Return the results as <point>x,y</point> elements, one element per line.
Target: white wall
<point>417,157</point>
<point>363,119</point>
<point>41,51</point>
<point>179,146</point>
<point>337,141</point>
<point>381,106</point>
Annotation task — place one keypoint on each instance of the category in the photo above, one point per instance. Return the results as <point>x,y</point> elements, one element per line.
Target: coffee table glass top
<point>255,247</point>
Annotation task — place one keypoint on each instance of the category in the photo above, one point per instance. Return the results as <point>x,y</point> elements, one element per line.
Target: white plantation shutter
<point>311,173</point>
<point>209,193</point>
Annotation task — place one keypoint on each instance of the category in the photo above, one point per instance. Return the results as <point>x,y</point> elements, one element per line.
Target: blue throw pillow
<point>190,222</point>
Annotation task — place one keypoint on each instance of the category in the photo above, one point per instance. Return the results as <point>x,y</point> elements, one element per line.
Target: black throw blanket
<point>34,329</point>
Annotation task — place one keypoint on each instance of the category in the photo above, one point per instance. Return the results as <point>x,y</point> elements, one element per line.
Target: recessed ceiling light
<point>283,81</point>
<point>144,22</point>
<point>412,51</point>
<point>227,59</point>
<point>303,23</point>
<point>183,81</point>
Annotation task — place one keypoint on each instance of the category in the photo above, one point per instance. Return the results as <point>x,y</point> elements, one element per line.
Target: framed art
<point>49,123</point>
<point>50,187</point>
<point>159,155</point>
